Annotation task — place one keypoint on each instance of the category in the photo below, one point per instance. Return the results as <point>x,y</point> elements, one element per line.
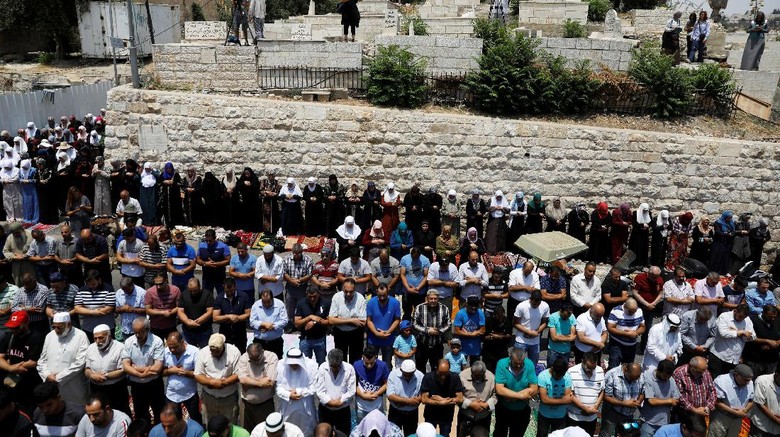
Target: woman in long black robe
<point>229,200</point>
<point>476,208</point>
<point>701,245</point>
<point>46,191</point>
<point>213,205</point>
<point>169,200</point>
<point>599,249</point>
<point>639,241</point>
<point>722,243</point>
<point>578,220</point>
<point>535,210</point>
<point>313,196</point>
<point>193,202</point>
<point>248,216</point>
<point>372,208</point>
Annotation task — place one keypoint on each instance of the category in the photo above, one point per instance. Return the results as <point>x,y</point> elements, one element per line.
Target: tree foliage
<point>396,78</point>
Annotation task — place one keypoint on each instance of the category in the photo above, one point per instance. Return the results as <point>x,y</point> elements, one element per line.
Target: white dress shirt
<point>274,268</point>
<point>341,386</point>
<point>583,292</point>
<point>727,346</point>
<point>356,308</point>
<point>468,272</point>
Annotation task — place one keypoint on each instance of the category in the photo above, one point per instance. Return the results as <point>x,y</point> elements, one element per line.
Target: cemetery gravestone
<point>612,26</point>
<point>301,32</point>
<point>204,30</point>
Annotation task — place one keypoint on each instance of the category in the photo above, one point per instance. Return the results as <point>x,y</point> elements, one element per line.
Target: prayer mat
<point>153,230</point>
<point>313,244</point>
<point>43,227</point>
<point>499,259</point>
<point>247,238</point>
<point>260,241</point>
<point>292,240</point>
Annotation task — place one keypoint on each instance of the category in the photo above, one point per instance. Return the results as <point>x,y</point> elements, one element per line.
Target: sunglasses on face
<point>630,425</point>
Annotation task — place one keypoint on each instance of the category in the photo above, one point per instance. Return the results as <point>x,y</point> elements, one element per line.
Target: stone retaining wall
<point>612,54</point>
<point>578,163</point>
<point>444,54</point>
<point>205,66</point>
<point>552,11</point>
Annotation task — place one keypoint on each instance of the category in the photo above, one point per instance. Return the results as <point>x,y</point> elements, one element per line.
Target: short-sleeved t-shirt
<point>305,309</point>
<point>555,389</point>
<point>531,318</point>
<point>457,362</point>
<point>104,296</point>
<point>64,423</point>
<point>194,307</point>
<point>647,288</point>
<point>359,270</point>
<point>470,323</point>
<point>415,268</point>
<point>382,318</point>
<point>516,383</point>
<point>385,273</point>
<point>562,327</point>
<point>370,380</point>
<point>181,259</point>
<point>162,301</point>
<point>20,349</point>
<point>654,388</point>
<point>217,252</point>
<point>404,345</point>
<point>244,266</point>
<point>448,389</point>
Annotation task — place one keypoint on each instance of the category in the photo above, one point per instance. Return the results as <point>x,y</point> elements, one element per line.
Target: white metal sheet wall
<point>18,109</point>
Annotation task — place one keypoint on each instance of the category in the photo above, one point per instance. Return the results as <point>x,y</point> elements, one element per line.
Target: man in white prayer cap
<point>63,358</point>
<point>296,383</point>
<point>105,370</point>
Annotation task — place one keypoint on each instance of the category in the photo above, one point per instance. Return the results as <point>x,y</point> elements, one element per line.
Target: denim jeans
<point>648,430</point>
<point>552,355</point>
<point>199,340</point>
<point>619,353</point>
<point>531,350</point>
<point>697,50</point>
<point>314,345</point>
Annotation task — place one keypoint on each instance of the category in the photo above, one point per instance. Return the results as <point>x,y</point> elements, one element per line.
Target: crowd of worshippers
<point>400,343</point>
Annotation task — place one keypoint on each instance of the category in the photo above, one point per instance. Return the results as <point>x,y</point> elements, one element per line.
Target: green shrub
<point>714,82</point>
<point>396,78</point>
<point>419,26</point>
<point>597,9</point>
<point>573,29</point>
<point>491,31</point>
<point>45,58</point>
<point>672,86</point>
<point>504,82</point>
<point>197,12</point>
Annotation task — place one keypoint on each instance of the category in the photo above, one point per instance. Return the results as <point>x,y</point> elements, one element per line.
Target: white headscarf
<point>230,179</point>
<point>14,155</point>
<point>390,195</point>
<point>62,164</point>
<point>31,130</point>
<point>663,220</point>
<point>349,230</point>
<point>499,204</point>
<point>94,138</point>
<point>148,178</point>
<point>8,171</point>
<point>643,214</point>
<point>295,190</point>
<point>22,149</point>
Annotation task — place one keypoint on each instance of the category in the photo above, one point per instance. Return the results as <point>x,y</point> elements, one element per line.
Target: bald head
<point>323,430</point>
<point>632,371</point>
<point>86,234</point>
<point>631,305</point>
<point>698,363</point>
<point>597,312</point>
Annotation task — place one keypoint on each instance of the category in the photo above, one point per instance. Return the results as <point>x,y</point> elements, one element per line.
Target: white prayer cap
<point>311,180</point>
<point>268,248</point>
<point>425,429</point>
<point>572,431</point>
<point>452,193</point>
<point>274,422</point>
<point>390,186</point>
<point>101,328</point>
<point>61,318</point>
<point>148,165</point>
<point>349,220</point>
<point>499,193</point>
<point>408,366</point>
<point>290,180</point>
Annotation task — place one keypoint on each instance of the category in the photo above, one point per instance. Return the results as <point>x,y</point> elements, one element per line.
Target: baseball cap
<point>406,324</point>
<point>455,342</point>
<point>217,340</point>
<point>17,319</point>
<point>744,371</point>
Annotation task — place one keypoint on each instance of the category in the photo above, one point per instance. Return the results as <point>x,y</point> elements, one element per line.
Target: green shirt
<point>235,431</point>
<point>514,382</point>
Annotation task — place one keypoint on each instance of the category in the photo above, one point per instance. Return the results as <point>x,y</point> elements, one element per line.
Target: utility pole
<point>113,46</point>
<point>132,50</point>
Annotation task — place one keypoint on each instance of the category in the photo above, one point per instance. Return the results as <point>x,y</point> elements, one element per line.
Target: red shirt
<point>164,301</point>
<point>326,273</point>
<point>648,289</point>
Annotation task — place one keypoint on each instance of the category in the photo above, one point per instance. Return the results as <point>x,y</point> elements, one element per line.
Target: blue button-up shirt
<point>399,386</point>
<point>181,388</point>
<point>732,394</point>
<point>277,315</point>
<point>136,300</point>
<point>152,350</point>
<point>756,301</point>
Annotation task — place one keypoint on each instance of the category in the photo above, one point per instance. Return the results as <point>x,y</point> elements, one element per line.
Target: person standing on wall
<point>257,12</point>
<point>350,16</point>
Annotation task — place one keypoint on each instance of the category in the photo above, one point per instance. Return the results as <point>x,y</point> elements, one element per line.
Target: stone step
<point>316,95</point>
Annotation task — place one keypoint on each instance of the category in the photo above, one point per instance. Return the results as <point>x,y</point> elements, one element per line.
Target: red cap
<point>16,319</point>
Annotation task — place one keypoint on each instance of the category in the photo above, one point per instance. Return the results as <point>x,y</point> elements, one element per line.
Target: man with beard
<point>63,358</point>
<point>104,369</point>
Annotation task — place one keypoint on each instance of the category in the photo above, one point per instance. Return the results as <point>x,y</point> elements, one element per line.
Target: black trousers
<point>466,425</point>
<point>115,393</point>
<point>426,354</point>
<point>546,425</point>
<point>511,423</point>
<point>340,418</point>
<point>276,346</point>
<point>145,395</point>
<point>350,342</point>
<point>406,420</point>
<point>717,366</point>
<point>410,301</point>
<point>589,427</point>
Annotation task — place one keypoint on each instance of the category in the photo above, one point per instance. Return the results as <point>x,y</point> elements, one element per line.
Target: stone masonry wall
<point>578,163</point>
<point>613,54</point>
<point>205,66</point>
<point>552,11</point>
<point>444,54</point>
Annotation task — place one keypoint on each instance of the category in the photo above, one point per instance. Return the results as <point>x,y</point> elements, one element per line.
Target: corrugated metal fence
<point>18,109</point>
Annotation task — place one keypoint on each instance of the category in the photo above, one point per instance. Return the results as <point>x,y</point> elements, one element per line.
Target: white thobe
<point>65,357</point>
<point>303,380</point>
<point>12,194</point>
<point>661,343</point>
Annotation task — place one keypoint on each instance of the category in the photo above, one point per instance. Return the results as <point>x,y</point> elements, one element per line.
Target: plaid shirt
<point>298,269</point>
<point>695,392</point>
<point>619,387</point>
<point>37,298</point>
<point>424,317</point>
